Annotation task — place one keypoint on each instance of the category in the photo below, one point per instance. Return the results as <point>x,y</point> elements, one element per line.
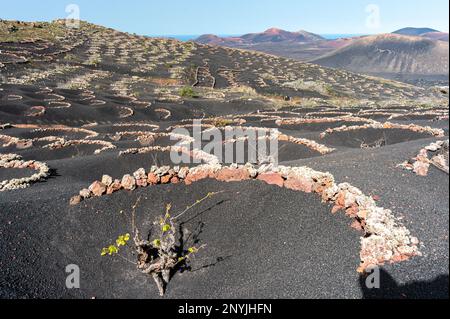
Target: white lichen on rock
<point>15,161</point>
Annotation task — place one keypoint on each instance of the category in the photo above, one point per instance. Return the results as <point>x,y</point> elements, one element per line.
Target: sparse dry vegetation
<point>162,255</point>
<point>188,92</point>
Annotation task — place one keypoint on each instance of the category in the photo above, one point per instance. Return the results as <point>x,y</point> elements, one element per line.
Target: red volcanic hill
<point>216,40</point>
<point>278,35</point>
<point>272,35</point>
<point>301,45</point>
<point>414,31</point>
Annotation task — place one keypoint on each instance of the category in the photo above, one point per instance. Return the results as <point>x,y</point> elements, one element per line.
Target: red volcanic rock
<point>232,175</point>
<point>340,201</point>
<point>271,179</point>
<point>320,186</point>
<point>171,172</point>
<point>357,225</point>
<point>346,199</point>
<point>399,258</point>
<point>128,182</point>
<point>141,177</point>
<point>421,168</point>
<point>114,187</point>
<point>336,208</point>
<point>352,211</point>
<point>152,179</point>
<point>175,180</point>
<point>85,193</point>
<point>376,198</point>
<point>362,214</point>
<point>298,183</point>
<point>141,182</point>
<point>166,179</point>
<point>197,175</point>
<point>97,188</point>
<point>75,200</point>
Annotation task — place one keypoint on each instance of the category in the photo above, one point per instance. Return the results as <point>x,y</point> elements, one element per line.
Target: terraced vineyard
<point>87,120</point>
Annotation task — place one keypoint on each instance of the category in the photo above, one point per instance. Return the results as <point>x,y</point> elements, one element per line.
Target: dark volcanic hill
<point>414,31</point>
<point>424,32</point>
<point>391,54</point>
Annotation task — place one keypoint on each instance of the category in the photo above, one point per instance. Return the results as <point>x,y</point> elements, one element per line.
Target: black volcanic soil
<point>318,127</point>
<point>370,136</point>
<point>262,241</point>
<point>248,229</point>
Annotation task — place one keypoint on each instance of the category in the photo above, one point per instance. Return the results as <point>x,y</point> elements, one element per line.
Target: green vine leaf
<point>104,252</point>
<point>112,250</point>
<point>157,243</point>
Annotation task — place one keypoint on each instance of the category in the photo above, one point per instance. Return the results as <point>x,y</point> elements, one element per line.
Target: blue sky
<point>179,17</point>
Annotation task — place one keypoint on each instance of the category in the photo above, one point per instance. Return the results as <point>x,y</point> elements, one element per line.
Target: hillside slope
<point>441,36</point>
<point>389,53</point>
<point>123,64</point>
